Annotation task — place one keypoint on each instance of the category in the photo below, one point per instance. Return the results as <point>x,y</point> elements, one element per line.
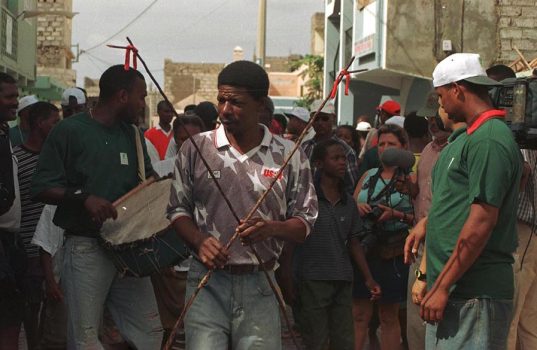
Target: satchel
<point>393,245</point>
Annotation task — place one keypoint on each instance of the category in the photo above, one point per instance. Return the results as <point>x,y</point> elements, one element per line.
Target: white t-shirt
<point>151,151</point>
<point>49,237</point>
<point>171,152</point>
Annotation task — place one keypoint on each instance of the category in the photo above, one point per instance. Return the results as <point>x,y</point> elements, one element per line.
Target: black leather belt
<point>245,269</point>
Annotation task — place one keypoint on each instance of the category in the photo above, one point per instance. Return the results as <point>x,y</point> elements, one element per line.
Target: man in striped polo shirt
<point>41,119</point>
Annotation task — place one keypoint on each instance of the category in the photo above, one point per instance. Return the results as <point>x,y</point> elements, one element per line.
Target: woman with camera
<point>386,211</point>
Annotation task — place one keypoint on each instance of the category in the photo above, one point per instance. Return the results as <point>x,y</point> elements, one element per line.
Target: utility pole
<point>261,33</point>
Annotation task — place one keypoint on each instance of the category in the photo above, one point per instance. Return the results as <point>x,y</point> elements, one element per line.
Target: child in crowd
<point>325,271</point>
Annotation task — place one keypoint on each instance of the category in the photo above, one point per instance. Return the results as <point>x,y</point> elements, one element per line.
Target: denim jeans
<point>471,324</point>
<point>240,311</point>
<point>90,280</point>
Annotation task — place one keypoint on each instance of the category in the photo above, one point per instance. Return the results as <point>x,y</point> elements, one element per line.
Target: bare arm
<point>51,196</point>
<point>357,253</point>
<point>363,208</point>
<point>256,230</point>
<point>53,289</point>
<point>413,186</point>
<point>414,239</point>
<point>98,208</point>
<point>423,262</point>
<point>358,256</point>
<point>472,240</point>
<point>419,288</point>
<point>284,274</point>
<point>209,249</point>
<point>359,186</point>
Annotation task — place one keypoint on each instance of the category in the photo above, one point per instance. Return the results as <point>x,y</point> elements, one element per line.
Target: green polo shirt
<point>81,153</point>
<point>485,167</point>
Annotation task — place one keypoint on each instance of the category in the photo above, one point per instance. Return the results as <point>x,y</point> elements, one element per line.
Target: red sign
<point>364,45</point>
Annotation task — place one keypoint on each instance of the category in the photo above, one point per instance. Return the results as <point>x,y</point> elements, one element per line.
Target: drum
<point>141,241</point>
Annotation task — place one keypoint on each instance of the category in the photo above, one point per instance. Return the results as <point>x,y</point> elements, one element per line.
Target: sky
<point>186,31</point>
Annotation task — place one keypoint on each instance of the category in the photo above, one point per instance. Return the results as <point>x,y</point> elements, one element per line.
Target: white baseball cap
<point>26,101</point>
<point>300,113</point>
<point>76,93</point>
<point>328,107</point>
<point>461,66</point>
<point>396,120</point>
<point>363,126</point>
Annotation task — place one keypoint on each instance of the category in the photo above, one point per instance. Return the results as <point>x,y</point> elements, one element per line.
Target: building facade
<point>18,41</point>
<point>398,44</point>
<point>54,55</point>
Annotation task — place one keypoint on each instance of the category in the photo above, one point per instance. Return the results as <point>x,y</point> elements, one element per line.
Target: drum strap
<point>139,154</point>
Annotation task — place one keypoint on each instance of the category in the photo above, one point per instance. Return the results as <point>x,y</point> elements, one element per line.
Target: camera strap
<point>373,184</point>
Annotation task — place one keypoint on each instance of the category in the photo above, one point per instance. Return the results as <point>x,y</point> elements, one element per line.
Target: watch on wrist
<point>420,276</point>
<point>75,196</point>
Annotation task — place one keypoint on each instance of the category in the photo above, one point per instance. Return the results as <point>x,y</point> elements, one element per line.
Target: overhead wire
<point>92,61</point>
<point>143,12</point>
<point>100,59</point>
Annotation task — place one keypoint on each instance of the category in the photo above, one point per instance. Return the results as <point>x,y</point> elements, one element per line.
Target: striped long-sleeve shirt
<point>30,210</point>
<point>528,198</point>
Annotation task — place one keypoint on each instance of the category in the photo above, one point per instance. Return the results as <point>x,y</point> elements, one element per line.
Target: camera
<point>369,238</point>
<point>518,97</point>
<point>374,214</point>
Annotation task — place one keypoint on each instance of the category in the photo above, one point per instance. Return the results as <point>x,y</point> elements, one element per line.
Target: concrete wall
<point>54,42</point>
<point>285,84</point>
<point>517,26</point>
<point>188,83</point>
<point>410,37</point>
<point>417,28</point>
<point>415,31</point>
<point>280,64</point>
<point>182,80</point>
<point>317,34</point>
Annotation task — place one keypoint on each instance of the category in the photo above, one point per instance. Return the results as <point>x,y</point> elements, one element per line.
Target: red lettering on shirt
<point>271,173</point>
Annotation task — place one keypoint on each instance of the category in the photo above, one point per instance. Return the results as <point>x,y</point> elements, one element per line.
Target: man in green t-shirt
<point>87,162</point>
<point>471,227</point>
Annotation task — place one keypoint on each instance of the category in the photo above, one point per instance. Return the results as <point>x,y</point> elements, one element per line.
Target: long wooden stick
<point>134,191</point>
<point>522,58</point>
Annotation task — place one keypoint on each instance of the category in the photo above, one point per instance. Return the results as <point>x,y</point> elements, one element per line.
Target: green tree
<point>314,72</point>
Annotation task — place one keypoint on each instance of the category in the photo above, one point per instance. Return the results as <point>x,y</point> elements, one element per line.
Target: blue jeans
<point>236,310</point>
<point>472,324</point>
<point>90,280</point>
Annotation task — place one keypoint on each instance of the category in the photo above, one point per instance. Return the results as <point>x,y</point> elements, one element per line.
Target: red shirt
<point>160,139</point>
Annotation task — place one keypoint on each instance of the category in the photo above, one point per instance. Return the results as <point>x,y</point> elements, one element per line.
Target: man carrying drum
<point>87,162</point>
<point>237,307</point>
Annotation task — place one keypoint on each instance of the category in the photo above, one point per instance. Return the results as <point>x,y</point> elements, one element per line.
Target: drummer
<point>237,306</point>
<point>88,161</point>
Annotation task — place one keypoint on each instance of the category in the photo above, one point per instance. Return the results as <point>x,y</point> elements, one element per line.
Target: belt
<point>245,269</point>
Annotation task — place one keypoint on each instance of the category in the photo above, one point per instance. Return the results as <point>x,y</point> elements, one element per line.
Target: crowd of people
<point>398,232</point>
